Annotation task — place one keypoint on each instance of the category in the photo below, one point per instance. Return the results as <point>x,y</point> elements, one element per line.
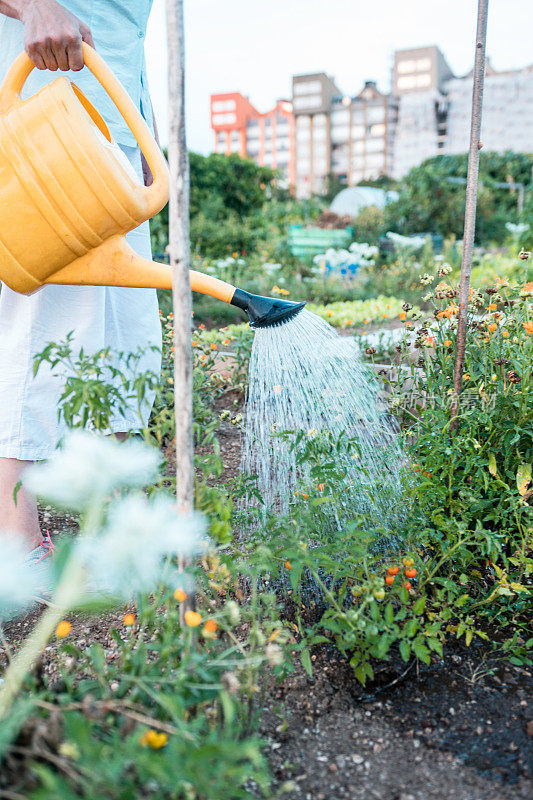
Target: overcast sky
<point>254,46</point>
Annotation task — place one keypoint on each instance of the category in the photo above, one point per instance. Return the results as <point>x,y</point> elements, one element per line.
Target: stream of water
<point>304,377</point>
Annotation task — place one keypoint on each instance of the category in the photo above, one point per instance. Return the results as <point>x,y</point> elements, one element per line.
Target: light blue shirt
<point>119,30</point>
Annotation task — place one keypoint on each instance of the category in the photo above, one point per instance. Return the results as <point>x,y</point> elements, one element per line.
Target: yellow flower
<point>63,629</point>
<point>193,618</point>
<point>129,620</point>
<point>153,739</point>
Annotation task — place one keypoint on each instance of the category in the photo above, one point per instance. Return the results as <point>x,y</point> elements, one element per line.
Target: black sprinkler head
<point>264,312</point>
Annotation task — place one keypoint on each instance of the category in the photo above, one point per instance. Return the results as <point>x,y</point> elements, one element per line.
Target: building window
<point>423,80</point>
<point>311,101</point>
<point>407,82</point>
<point>223,105</point>
<point>378,129</point>
<point>307,87</point>
<point>224,119</point>
<point>406,66</point>
<point>423,64</point>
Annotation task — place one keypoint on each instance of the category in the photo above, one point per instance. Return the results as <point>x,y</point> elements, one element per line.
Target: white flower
<point>400,242</point>
<point>127,556</point>
<point>88,467</point>
<point>517,230</point>
<point>274,654</point>
<point>19,581</point>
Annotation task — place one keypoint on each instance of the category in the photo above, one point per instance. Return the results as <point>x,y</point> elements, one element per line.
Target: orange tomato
<point>410,573</point>
<point>408,585</point>
<point>389,580</point>
<point>394,570</point>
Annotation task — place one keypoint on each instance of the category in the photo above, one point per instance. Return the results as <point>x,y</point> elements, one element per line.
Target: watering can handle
<point>156,194</point>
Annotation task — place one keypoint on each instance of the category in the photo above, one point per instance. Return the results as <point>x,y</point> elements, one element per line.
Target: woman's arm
<point>52,35</point>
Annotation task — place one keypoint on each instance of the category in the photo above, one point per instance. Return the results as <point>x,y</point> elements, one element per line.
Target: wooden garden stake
<point>470,206</point>
<point>178,219</point>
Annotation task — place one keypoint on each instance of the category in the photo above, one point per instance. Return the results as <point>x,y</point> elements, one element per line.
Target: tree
<point>430,202</point>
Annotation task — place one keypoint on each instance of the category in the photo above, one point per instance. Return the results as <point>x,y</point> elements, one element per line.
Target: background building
<point>324,133</point>
<point>267,138</point>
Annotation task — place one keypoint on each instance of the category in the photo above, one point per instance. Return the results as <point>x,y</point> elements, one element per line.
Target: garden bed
<point>460,727</point>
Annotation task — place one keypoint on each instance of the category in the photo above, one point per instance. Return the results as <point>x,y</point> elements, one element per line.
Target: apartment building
<point>419,78</point>
<point>323,132</point>
<point>267,138</point>
<point>507,122</point>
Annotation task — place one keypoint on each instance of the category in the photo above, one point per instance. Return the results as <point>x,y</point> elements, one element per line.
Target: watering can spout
<point>115,263</point>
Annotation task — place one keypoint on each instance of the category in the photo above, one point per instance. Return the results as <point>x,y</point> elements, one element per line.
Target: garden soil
<point>460,729</point>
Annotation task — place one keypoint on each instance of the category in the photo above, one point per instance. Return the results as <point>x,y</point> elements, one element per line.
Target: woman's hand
<point>52,35</point>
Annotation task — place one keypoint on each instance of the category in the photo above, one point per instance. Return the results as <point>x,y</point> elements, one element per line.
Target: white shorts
<point>100,316</point>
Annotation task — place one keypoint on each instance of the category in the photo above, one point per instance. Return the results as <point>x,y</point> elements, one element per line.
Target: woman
<point>122,319</point>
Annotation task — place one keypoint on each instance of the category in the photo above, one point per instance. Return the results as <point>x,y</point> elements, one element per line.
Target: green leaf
<point>306,662</point>
<point>523,478</point>
<point>360,674</point>
<point>389,614</point>
<point>419,606</point>
<point>405,650</point>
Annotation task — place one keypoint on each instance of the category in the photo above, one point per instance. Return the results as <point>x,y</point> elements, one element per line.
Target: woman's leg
<point>20,517</point>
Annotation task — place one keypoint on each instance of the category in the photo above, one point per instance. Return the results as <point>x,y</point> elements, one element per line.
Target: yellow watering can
<point>67,195</point>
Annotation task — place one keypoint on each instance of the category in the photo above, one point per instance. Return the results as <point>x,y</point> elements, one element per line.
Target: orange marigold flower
<point>153,739</point>
<point>288,565</point>
<point>226,341</point>
<point>213,346</point>
<point>493,306</point>
<point>527,289</point>
<point>63,629</point>
<point>402,315</point>
<point>528,327</point>
<point>492,327</point>
<point>192,618</point>
<point>194,343</point>
<point>447,343</point>
<point>171,315</point>
<point>129,620</point>
<point>466,377</point>
<point>180,595</point>
<point>505,334</point>
<point>210,626</point>
<point>202,326</point>
<point>430,341</point>
<point>321,487</point>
